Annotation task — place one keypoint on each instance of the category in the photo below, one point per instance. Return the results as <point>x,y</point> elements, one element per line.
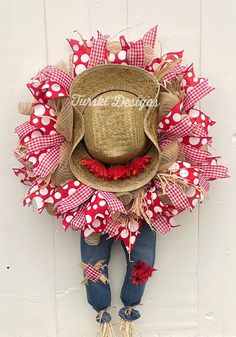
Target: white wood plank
<point>217,253</point>
<point>75,316</point>
<point>27,295</point>
<point>193,292</point>
<point>170,301</point>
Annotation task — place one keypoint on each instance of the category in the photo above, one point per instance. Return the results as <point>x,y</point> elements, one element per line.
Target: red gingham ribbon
<point>199,131</point>
<point>92,273</point>
<point>183,128</point>
<point>149,37</point>
<point>176,195</point>
<point>76,199</point>
<point>196,94</point>
<point>179,69</point>
<point>45,142</point>
<point>112,227</point>
<point>57,75</point>
<point>203,182</point>
<point>215,171</point>
<point>78,221</point>
<point>161,224</point>
<point>98,51</point>
<point>136,54</point>
<point>114,204</point>
<point>49,161</point>
<point>192,153</point>
<point>24,129</point>
<point>165,142</point>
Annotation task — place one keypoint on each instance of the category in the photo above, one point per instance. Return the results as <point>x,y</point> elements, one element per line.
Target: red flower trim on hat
<point>141,272</point>
<point>116,172</point>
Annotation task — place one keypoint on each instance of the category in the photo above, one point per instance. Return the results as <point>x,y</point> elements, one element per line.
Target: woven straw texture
<point>115,135</point>
<point>100,79</point>
<point>111,133</point>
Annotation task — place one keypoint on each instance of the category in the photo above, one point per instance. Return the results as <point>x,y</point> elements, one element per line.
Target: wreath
<point>75,167</point>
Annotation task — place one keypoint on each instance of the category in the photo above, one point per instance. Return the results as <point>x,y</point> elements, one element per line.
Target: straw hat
<point>109,129</point>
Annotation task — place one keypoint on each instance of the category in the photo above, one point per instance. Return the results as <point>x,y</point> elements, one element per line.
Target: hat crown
<point>114,134</point>
<point>114,127</point>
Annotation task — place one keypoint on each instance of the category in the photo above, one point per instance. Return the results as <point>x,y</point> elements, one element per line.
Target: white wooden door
<point>193,293</point>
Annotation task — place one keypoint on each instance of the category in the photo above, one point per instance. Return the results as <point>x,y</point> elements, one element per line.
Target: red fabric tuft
<point>116,172</point>
<point>141,272</point>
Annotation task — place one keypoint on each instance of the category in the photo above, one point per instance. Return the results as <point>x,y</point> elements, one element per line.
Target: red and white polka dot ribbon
<point>50,83</point>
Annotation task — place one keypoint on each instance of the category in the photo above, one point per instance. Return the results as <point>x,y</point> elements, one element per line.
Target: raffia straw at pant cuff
<point>127,328</point>
<point>106,330</point>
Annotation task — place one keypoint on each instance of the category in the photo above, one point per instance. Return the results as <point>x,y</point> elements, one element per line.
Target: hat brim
<point>126,185</point>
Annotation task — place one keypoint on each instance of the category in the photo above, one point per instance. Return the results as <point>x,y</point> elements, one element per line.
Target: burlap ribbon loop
<point>63,172</point>
<point>64,113</point>
<point>168,156</point>
<point>25,108</point>
<point>167,101</point>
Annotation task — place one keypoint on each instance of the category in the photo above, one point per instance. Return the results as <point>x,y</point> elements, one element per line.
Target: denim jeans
<point>98,293</point>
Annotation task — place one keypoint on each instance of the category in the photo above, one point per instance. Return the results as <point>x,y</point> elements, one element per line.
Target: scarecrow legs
<point>140,261</point>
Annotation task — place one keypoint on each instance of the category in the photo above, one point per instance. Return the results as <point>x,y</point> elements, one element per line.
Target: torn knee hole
<point>141,272</point>
<point>94,272</point>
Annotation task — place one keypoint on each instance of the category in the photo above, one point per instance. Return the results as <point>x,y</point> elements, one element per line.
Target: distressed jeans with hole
<point>98,293</point>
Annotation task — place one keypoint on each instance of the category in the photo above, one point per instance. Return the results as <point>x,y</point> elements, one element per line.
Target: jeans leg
<point>98,293</point>
<point>144,250</point>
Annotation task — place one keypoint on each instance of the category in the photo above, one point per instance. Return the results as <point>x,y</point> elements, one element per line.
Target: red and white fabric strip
<point>196,94</point>
<point>24,129</point>
<point>114,204</point>
<point>161,224</point>
<point>177,197</point>
<point>136,54</point>
<point>179,69</point>
<point>49,161</point>
<point>45,142</point>
<point>215,171</point>
<point>149,37</point>
<point>57,75</point>
<point>211,160</point>
<point>199,131</point>
<point>203,182</point>
<point>98,51</point>
<point>76,199</point>
<point>78,221</point>
<point>183,128</point>
<point>92,273</point>
<point>23,174</point>
<point>165,142</point>
<point>192,153</point>
<point>124,43</point>
<point>112,228</point>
